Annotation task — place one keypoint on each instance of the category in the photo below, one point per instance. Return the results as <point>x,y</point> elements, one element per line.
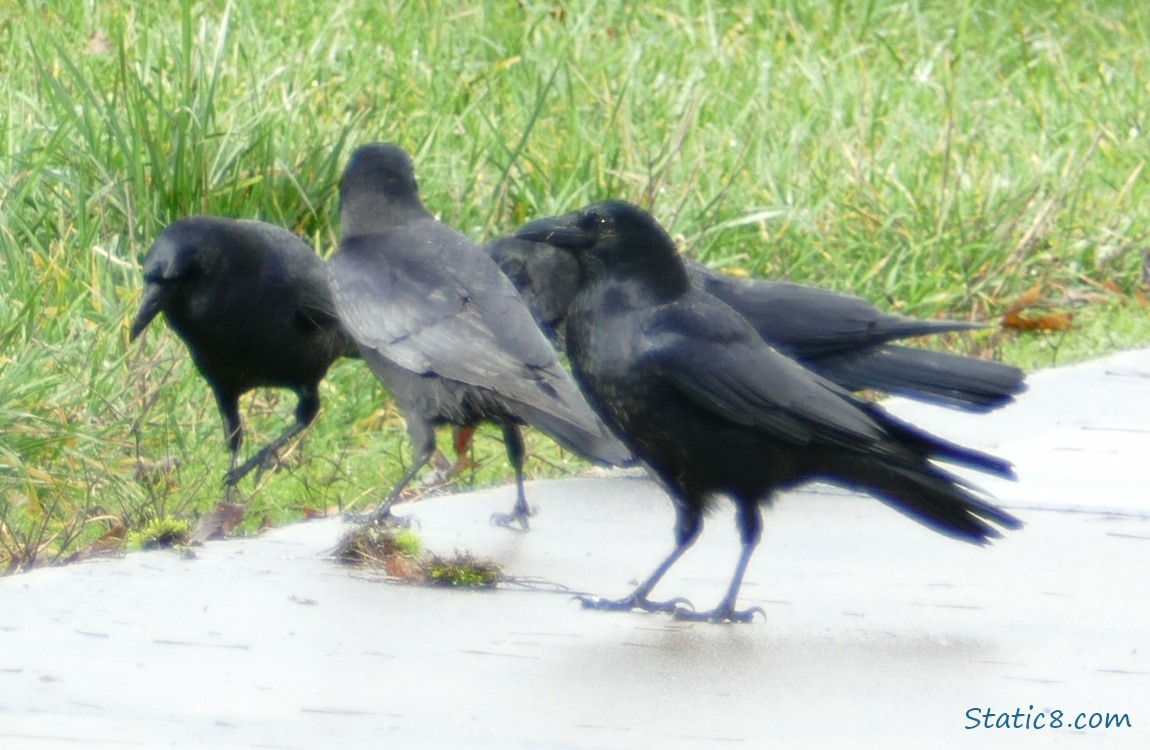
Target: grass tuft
<point>464,572</point>
<point>399,554</point>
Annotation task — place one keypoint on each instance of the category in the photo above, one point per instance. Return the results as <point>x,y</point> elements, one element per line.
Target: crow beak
<point>155,295</point>
<point>559,231</point>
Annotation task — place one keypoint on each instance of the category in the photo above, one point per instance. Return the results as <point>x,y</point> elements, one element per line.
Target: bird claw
<point>442,471</point>
<point>386,518</point>
<point>398,522</point>
<point>263,460</point>
<point>435,478</point>
<point>517,516</point>
<point>671,606</point>
<point>722,613</point>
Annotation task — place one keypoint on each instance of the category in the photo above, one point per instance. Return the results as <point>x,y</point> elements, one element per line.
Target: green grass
<point>938,158</point>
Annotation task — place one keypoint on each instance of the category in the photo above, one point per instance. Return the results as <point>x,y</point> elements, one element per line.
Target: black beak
<point>150,305</point>
<point>560,231</point>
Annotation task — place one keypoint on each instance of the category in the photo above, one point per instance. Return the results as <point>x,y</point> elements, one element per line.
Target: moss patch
<point>162,533</point>
<point>399,553</point>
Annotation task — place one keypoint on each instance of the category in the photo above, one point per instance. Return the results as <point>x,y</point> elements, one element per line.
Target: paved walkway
<point>878,633</point>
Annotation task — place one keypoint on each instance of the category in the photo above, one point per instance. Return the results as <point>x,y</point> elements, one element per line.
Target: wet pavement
<point>878,632</point>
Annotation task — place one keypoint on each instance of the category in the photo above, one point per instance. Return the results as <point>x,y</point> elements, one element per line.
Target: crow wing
<point>430,301</point>
<point>716,359</point>
<point>807,321</point>
<point>292,265</point>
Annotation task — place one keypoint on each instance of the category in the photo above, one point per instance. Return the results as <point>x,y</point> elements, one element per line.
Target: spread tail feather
<point>935,498</point>
<point>946,379</point>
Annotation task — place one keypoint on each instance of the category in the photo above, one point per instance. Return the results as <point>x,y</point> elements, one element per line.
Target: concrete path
<point>878,632</point>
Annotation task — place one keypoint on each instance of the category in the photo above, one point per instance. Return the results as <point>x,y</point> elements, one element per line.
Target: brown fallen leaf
<point>218,523</point>
<point>110,543</point>
<point>1029,298</point>
<point>1051,322</point>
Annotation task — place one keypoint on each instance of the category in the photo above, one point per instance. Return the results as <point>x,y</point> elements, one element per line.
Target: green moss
<point>161,533</point>
<point>407,542</point>
<point>464,571</point>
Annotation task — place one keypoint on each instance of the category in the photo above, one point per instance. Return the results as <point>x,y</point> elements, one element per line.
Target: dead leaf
<point>1029,298</point>
<point>110,543</point>
<point>404,568</point>
<point>1052,322</point>
<point>218,523</point>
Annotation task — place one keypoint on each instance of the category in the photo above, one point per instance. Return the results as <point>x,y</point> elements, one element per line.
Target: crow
<point>711,409</point>
<point>444,330</point>
<point>843,338</point>
<point>251,302</point>
<point>546,277</point>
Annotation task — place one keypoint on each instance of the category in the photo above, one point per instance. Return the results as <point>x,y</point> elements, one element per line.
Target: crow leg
<point>688,526</point>
<point>305,413</point>
<point>513,439</point>
<point>229,406</point>
<point>422,436</point>
<point>462,443</point>
<point>442,471</point>
<point>751,530</point>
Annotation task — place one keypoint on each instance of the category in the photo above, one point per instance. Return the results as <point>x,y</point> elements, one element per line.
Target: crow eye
<point>594,221</point>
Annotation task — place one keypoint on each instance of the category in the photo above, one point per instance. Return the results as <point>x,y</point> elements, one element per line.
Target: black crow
<point>251,302</point>
<point>546,277</point>
<point>843,338</point>
<point>709,408</point>
<point>444,329</point>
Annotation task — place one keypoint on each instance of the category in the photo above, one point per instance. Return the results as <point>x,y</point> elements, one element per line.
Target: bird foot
<point>398,522</point>
<point>385,518</point>
<point>263,460</point>
<point>462,464</point>
<point>434,478</point>
<point>517,516</point>
<point>442,472</point>
<point>722,613</point>
<point>626,604</point>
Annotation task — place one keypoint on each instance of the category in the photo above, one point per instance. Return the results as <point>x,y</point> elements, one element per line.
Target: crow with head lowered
<point>251,302</point>
<point>444,329</point>
<point>711,409</point>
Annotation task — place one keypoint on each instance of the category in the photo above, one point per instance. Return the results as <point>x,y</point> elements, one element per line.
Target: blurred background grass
<point>941,159</point>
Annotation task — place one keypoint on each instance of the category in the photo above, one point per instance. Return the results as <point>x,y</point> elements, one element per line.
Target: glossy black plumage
<point>843,338</point>
<point>691,388</point>
<point>443,328</point>
<point>251,302</point>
